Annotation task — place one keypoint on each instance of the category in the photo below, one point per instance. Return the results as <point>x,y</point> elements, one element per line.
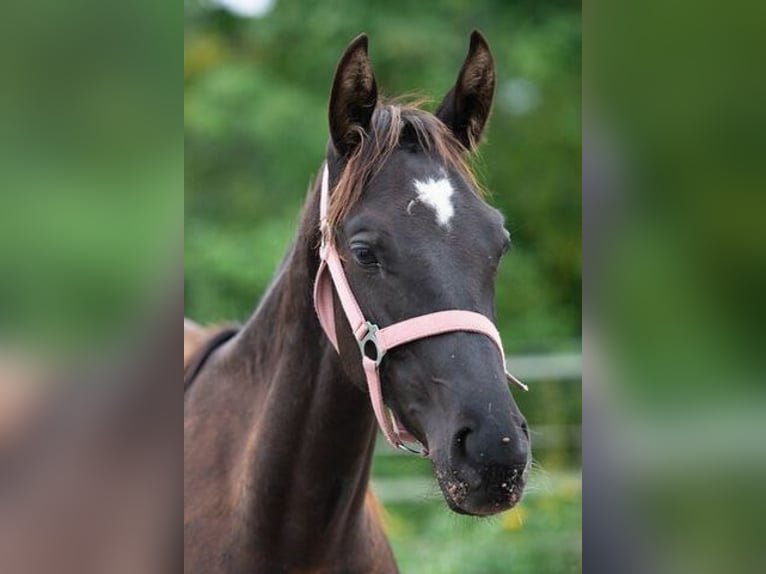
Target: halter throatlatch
<point>380,340</point>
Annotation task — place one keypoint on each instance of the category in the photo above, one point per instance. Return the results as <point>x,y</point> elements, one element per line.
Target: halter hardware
<point>403,446</point>
<point>372,337</point>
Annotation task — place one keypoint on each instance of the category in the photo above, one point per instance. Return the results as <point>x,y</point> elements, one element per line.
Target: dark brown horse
<point>279,432</point>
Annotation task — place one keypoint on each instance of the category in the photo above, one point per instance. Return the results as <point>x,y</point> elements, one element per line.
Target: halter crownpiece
<point>368,334</point>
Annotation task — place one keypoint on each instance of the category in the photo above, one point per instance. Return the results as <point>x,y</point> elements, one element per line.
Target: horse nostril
<point>460,439</point>
<point>525,429</point>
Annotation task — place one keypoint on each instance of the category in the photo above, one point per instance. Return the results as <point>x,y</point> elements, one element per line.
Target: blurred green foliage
<point>540,536</point>
<point>255,111</point>
<point>91,171</point>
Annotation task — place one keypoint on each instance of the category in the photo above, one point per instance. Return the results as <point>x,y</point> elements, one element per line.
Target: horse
<point>280,414</point>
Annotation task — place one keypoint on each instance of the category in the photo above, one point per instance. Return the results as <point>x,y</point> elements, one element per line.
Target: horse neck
<point>312,433</point>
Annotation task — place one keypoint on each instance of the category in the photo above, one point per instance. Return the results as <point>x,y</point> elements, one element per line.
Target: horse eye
<point>364,256</point>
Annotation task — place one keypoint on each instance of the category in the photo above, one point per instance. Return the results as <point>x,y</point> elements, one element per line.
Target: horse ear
<point>465,109</point>
<point>354,97</point>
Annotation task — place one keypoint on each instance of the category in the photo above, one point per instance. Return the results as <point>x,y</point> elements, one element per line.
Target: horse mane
<point>390,122</point>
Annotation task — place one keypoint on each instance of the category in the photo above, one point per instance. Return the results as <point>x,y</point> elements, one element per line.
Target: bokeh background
<point>91,183</point>
<point>257,75</point>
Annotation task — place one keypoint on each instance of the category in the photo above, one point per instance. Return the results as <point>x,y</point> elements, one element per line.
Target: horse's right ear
<point>354,97</point>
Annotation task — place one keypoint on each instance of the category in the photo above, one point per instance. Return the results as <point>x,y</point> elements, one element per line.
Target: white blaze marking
<point>437,194</point>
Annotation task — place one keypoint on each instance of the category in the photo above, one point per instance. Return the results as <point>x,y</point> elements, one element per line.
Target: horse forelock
<point>388,124</point>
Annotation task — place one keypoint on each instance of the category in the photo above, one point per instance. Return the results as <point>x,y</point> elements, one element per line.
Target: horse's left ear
<point>465,109</point>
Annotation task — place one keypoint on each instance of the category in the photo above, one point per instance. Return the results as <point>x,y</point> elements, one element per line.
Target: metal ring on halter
<point>372,337</point>
<point>403,446</point>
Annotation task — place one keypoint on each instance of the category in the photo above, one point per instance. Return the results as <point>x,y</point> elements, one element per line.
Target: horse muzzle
<point>484,472</point>
<point>485,491</point>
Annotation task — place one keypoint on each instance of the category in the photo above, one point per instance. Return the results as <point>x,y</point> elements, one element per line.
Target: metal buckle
<point>371,337</point>
<point>403,446</point>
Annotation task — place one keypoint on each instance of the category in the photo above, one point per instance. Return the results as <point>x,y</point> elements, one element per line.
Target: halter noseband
<point>366,333</point>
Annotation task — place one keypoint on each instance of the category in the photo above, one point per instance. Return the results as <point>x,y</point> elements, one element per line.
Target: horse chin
<point>470,495</point>
<point>478,505</point>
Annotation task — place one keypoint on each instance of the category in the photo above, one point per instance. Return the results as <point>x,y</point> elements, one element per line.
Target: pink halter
<point>331,273</point>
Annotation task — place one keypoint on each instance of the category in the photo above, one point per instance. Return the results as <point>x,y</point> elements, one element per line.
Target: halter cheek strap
<point>368,334</point>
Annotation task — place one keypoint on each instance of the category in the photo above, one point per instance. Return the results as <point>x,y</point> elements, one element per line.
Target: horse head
<point>415,235</point>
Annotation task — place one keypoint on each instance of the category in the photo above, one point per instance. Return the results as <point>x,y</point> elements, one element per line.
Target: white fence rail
<point>531,368</point>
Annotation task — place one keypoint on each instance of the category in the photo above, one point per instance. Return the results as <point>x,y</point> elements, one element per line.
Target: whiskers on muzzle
<point>484,491</point>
